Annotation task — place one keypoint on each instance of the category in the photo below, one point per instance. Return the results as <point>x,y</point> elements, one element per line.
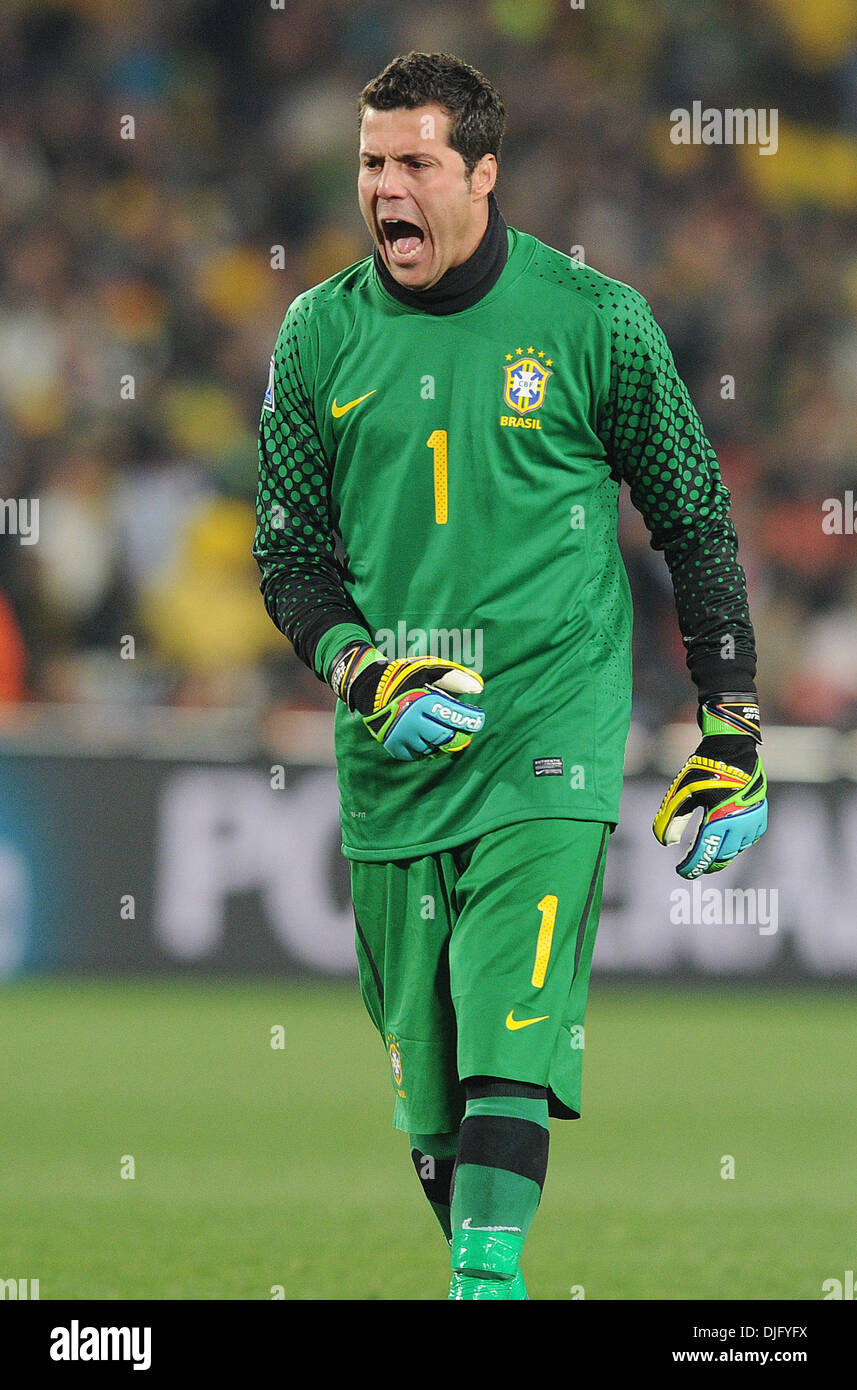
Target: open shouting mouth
<point>404,240</point>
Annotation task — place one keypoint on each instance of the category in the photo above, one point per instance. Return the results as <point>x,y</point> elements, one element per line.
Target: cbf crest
<point>525,379</point>
<point>395,1054</point>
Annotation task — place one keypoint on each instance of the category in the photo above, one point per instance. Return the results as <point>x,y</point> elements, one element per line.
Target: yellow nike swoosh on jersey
<point>513,1023</point>
<point>338,410</point>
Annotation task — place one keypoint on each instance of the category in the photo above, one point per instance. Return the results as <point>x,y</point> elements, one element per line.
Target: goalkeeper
<point>445,432</point>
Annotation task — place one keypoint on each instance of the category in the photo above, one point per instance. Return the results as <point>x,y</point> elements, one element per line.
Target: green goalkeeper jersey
<point>447,485</point>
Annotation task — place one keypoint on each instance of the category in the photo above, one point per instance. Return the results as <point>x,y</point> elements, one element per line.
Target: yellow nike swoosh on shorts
<point>338,410</point>
<point>513,1023</point>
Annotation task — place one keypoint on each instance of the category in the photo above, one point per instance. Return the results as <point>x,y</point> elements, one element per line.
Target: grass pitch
<point>258,1168</point>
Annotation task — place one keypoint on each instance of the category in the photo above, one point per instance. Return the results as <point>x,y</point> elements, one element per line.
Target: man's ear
<point>483,177</point>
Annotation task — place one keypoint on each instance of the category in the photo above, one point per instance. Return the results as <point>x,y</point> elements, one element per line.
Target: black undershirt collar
<point>464,285</point>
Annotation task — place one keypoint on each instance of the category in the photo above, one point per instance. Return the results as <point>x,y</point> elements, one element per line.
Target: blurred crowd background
<point>150,259</point>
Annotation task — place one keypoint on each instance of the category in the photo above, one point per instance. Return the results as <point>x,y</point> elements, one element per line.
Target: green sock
<point>499,1174</point>
<point>497,1197</point>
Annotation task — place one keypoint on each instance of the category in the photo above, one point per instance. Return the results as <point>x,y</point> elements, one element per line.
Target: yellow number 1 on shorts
<point>547,907</point>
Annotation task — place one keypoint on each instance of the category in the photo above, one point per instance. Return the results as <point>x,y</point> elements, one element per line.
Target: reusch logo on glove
<point>712,844</point>
<point>473,722</point>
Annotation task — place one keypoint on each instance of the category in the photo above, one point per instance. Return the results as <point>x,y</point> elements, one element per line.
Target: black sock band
<point>502,1141</point>
<point>481,1087</point>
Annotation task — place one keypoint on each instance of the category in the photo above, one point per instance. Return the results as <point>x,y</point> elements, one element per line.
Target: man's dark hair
<point>417,79</point>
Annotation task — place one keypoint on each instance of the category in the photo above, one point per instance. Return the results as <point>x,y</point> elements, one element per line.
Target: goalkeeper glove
<point>407,706</point>
<point>726,778</point>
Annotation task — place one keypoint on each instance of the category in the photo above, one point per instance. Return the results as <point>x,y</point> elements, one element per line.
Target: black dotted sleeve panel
<point>295,542</point>
<point>656,443</point>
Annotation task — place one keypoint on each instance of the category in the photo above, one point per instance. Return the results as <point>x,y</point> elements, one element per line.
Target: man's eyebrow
<point>400,158</point>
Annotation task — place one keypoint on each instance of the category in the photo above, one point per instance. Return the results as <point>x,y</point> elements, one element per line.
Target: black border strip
<point>584,916</point>
<point>368,954</point>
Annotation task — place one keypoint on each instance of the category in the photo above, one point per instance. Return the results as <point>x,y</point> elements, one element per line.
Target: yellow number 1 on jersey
<point>437,443</point>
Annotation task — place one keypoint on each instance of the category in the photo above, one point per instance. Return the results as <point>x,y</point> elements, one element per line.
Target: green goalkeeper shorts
<point>475,961</point>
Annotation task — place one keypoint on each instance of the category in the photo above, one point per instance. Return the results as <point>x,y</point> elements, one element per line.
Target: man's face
<point>423,215</point>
